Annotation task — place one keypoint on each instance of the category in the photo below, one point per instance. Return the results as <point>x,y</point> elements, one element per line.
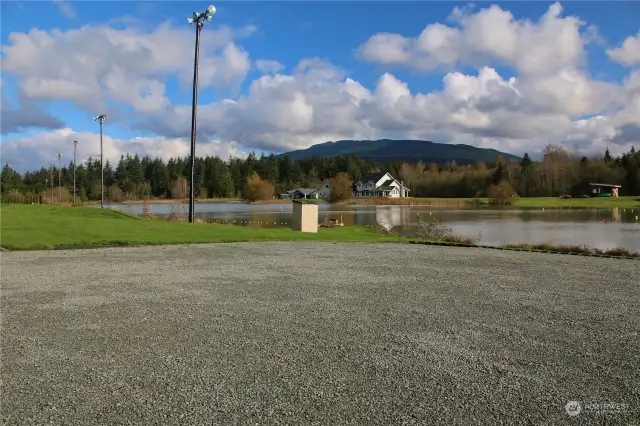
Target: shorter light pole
<point>46,187</point>
<point>101,119</point>
<point>51,176</point>
<point>60,178</point>
<point>75,149</point>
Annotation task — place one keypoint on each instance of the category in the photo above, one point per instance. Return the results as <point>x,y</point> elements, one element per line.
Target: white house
<point>369,186</point>
<point>379,185</point>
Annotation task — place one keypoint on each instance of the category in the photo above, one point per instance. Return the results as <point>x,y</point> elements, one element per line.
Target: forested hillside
<point>136,178</point>
<point>411,151</point>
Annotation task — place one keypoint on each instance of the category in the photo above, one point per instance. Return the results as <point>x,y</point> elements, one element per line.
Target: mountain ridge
<point>383,150</point>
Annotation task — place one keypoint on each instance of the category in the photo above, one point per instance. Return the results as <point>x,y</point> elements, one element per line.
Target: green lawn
<point>32,227</point>
<point>545,202</point>
<point>599,202</point>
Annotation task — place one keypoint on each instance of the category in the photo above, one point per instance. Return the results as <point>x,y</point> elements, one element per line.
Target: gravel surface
<point>317,333</point>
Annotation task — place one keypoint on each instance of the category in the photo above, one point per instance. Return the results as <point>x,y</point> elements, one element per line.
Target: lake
<point>600,228</point>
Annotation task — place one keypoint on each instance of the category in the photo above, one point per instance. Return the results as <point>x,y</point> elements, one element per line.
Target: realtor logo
<point>573,408</point>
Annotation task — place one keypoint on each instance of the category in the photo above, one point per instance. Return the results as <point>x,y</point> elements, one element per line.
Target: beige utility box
<point>305,217</point>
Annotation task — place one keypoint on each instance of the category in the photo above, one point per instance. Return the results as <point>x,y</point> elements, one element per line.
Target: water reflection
<point>602,228</point>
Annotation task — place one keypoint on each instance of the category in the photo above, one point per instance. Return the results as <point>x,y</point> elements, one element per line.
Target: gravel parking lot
<point>318,333</point>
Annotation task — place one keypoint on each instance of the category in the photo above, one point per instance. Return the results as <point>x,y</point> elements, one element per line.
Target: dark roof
<point>606,184</point>
<point>305,191</point>
<point>388,182</point>
<point>371,177</point>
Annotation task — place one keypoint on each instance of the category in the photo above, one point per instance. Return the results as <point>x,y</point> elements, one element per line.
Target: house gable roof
<point>305,191</point>
<point>372,177</point>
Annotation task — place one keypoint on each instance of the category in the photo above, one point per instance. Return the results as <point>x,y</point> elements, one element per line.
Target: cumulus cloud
<point>95,64</point>
<point>492,34</point>
<point>317,103</point>
<point>629,53</point>
<point>25,153</point>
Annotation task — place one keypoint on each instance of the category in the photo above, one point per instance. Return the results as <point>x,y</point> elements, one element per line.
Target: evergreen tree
<point>500,173</point>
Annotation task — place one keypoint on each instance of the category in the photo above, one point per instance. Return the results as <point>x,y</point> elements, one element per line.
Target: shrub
<point>114,194</point>
<point>179,188</point>
<point>502,193</point>
<point>58,193</point>
<point>340,188</point>
<point>435,230</point>
<point>257,189</point>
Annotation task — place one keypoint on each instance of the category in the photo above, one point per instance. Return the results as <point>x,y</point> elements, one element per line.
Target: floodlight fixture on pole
<point>199,19</point>
<point>60,178</point>
<point>101,119</point>
<point>75,149</point>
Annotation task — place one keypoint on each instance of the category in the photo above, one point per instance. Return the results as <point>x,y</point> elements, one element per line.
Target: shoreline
<point>631,202</point>
<point>120,229</point>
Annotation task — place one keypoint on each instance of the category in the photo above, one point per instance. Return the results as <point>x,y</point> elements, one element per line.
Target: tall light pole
<point>101,119</point>
<point>75,149</point>
<point>199,19</point>
<point>60,178</point>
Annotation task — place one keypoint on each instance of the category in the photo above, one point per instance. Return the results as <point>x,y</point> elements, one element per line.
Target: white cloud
<point>268,66</point>
<point>629,53</point>
<point>42,149</point>
<point>65,8</point>
<point>92,65</point>
<point>492,34</point>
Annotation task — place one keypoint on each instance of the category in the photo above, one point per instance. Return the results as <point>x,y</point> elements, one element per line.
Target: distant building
<point>299,193</point>
<point>604,190</point>
<point>379,185</point>
<point>324,190</point>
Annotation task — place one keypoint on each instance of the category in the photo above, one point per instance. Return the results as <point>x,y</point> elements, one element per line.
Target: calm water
<point>601,228</point>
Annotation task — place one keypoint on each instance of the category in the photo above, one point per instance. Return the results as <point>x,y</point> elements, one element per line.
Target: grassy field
<point>601,202</point>
<point>33,227</point>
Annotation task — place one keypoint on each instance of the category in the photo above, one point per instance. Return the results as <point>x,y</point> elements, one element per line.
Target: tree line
<point>557,173</point>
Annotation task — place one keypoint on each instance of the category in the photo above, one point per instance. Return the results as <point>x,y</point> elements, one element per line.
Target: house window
<point>327,186</point>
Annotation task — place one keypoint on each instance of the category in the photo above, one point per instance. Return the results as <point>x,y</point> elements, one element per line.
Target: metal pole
<point>75,148</point>
<point>101,171</point>
<point>194,107</point>
<point>51,176</point>
<point>60,178</point>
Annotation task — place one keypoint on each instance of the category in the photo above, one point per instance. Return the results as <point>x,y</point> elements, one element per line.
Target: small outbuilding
<point>604,190</point>
<point>305,216</point>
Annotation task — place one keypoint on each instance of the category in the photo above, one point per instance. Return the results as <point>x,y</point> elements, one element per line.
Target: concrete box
<point>305,217</point>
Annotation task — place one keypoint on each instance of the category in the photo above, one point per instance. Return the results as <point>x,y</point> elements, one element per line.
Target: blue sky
<point>289,32</point>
